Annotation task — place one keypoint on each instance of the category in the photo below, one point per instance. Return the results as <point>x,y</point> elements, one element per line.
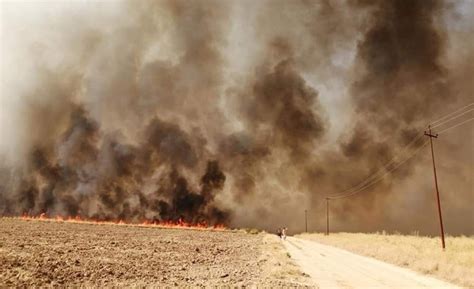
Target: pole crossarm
<point>431,135</point>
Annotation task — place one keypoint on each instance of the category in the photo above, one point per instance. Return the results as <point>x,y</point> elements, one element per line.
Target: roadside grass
<point>278,269</point>
<point>422,254</point>
<point>252,231</point>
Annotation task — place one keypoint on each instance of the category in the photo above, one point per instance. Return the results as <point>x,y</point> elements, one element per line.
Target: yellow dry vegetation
<point>422,254</point>
<point>278,269</point>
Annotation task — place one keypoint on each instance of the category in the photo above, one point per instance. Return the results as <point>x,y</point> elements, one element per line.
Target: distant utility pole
<point>327,216</point>
<point>431,136</point>
<point>306,220</point>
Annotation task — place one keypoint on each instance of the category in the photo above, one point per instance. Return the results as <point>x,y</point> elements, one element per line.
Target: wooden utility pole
<point>306,220</point>
<point>431,136</point>
<point>327,216</point>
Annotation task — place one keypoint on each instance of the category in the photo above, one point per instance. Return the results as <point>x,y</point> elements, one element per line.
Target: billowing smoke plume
<point>399,84</point>
<point>243,113</point>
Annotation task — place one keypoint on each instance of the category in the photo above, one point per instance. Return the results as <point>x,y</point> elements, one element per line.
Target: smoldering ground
<point>237,112</point>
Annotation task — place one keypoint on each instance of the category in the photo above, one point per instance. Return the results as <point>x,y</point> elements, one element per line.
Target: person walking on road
<point>283,233</point>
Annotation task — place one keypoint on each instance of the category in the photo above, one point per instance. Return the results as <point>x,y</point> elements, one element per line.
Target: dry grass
<point>422,254</point>
<point>278,268</point>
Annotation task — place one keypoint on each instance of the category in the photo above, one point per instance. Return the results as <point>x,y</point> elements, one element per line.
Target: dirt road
<point>331,267</point>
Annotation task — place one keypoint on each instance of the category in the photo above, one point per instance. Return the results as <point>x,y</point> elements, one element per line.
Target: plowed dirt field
<point>43,253</point>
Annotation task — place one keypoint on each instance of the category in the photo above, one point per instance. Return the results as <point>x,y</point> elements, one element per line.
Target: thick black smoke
<point>104,180</point>
<point>399,82</point>
<point>243,113</point>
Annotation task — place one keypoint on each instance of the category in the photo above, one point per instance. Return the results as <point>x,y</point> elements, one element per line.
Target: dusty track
<point>335,268</point>
<point>40,253</point>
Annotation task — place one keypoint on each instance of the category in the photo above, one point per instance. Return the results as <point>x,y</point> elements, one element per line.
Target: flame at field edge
<point>179,224</point>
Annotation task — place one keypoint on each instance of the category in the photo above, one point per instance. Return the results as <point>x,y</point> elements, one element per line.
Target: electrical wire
<point>461,123</point>
<point>452,113</point>
<point>375,178</point>
<point>381,170</point>
<point>381,177</point>
<point>454,117</point>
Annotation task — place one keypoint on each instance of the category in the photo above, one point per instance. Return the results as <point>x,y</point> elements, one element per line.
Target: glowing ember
<point>146,223</point>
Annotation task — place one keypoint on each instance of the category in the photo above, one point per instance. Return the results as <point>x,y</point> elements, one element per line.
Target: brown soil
<point>40,253</point>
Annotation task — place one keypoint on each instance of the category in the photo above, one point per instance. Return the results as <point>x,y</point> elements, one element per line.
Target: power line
<point>381,177</point>
<point>454,117</point>
<point>368,179</point>
<point>377,179</point>
<point>373,179</point>
<point>461,123</point>
<point>452,113</point>
<point>380,171</point>
<point>375,176</point>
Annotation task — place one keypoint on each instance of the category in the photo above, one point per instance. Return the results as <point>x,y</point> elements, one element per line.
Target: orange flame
<point>145,223</point>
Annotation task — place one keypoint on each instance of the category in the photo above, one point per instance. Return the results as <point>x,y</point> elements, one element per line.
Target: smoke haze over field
<point>237,112</point>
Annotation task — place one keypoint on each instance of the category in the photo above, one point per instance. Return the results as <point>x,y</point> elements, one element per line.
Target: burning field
<point>52,252</point>
<point>120,119</point>
<point>231,112</point>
